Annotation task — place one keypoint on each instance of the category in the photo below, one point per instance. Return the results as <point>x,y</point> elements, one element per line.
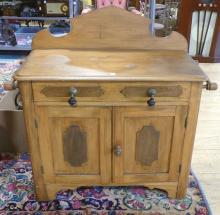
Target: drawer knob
<point>72,100</point>
<point>118,150</point>
<point>151,93</point>
<point>151,102</point>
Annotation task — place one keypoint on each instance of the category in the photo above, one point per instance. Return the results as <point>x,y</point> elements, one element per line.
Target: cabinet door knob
<point>151,93</point>
<point>72,100</point>
<point>118,150</point>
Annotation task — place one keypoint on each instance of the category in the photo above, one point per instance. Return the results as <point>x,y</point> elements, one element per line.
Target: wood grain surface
<point>110,66</point>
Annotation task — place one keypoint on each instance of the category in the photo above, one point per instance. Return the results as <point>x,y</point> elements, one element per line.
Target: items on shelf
<point>17,37</point>
<point>19,7</point>
<point>36,8</point>
<point>38,14</point>
<point>18,29</point>
<point>166,15</point>
<point>7,35</point>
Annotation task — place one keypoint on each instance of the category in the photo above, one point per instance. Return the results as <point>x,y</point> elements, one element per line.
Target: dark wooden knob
<point>73,91</point>
<point>118,150</point>
<point>151,102</point>
<point>72,100</point>
<point>151,93</point>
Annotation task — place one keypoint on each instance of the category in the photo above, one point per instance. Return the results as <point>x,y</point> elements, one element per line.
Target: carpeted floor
<point>17,196</point>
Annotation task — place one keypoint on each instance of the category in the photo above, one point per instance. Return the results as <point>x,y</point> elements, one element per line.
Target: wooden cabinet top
<point>110,44</point>
<point>110,65</point>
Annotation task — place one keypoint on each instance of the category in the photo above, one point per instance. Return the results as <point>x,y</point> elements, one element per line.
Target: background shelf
<point>33,18</point>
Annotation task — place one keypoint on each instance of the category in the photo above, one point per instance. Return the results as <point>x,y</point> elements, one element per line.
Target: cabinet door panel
<point>75,143</point>
<point>76,147</point>
<point>149,142</point>
<point>148,147</point>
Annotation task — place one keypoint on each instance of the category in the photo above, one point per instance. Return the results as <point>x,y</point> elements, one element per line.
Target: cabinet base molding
<point>52,189</point>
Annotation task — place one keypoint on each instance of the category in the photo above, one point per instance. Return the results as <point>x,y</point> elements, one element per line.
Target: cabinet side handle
<point>210,85</point>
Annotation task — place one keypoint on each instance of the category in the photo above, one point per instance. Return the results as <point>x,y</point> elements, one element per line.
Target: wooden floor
<point>206,156</point>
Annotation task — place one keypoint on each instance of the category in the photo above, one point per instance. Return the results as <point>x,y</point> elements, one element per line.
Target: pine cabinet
<point>109,109</point>
<point>111,134</point>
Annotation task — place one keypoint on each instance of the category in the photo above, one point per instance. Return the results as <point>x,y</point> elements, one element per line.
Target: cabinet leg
<point>41,193</point>
<point>175,194</point>
<point>171,193</point>
<point>180,194</point>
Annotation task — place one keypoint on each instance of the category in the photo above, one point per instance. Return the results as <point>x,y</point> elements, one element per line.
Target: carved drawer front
<point>111,91</point>
<point>61,91</point>
<point>150,141</point>
<point>75,145</point>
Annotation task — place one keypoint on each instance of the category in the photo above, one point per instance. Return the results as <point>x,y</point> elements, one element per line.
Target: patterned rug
<point>17,196</point>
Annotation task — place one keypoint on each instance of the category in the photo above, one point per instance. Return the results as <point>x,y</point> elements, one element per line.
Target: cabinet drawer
<point>108,91</point>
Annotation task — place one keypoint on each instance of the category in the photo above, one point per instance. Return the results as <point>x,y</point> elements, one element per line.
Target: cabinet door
<point>147,143</point>
<point>75,144</point>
